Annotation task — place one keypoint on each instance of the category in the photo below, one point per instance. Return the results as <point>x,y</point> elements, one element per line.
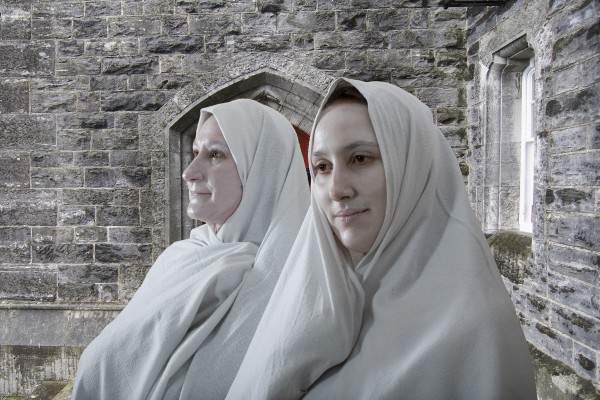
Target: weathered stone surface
<point>27,284</point>
<point>14,95</point>
<point>388,20</point>
<point>76,215</point>
<point>301,22</point>
<point>87,274</point>
<point>49,102</point>
<point>90,234</point>
<point>568,140</point>
<point>221,24</point>
<point>15,170</point>
<point>102,9</point>
<point>15,245</point>
<point>428,38</point>
<point>134,101</point>
<point>22,132</point>
<point>130,279</point>
<point>86,196</point>
<point>118,216</point>
<point>576,46</point>
<point>123,253</point>
<point>74,139</point>
<point>130,65</point>
<point>512,252</point>
<point>129,235</point>
<point>577,325</point>
<point>570,199</point>
<point>115,139</point>
<point>134,26</point>
<point>90,28</point>
<point>575,230</point>
<point>574,169</point>
<point>51,234</point>
<point>572,108</point>
<point>126,158</point>
<point>580,296</point>
<point>351,40</point>
<point>15,24</point>
<point>45,10</point>
<point>56,177</point>
<point>85,121</point>
<point>63,252</point>
<point>51,28</point>
<point>69,48</point>
<point>117,177</point>
<point>574,262</point>
<point>168,45</point>
<point>28,207</point>
<point>174,25</point>
<point>91,158</point>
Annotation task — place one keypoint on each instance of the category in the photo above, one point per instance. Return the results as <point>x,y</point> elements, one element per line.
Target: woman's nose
<point>194,171</point>
<point>341,185</point>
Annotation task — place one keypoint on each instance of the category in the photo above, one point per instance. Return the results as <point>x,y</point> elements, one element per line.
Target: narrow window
<point>527,149</point>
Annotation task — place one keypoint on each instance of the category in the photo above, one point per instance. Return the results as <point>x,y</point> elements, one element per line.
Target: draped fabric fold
<point>423,315</point>
<point>187,327</point>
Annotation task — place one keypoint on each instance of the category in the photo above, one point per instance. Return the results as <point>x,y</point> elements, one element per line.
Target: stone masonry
<point>98,97</point>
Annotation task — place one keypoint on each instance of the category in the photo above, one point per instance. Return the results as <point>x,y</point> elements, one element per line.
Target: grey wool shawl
<point>423,315</point>
<point>184,333</point>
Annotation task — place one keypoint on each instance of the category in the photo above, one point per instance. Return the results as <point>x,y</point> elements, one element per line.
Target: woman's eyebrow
<point>348,147</point>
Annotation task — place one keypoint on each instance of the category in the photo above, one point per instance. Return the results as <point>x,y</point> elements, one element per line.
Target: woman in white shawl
<point>390,291</point>
<point>185,332</point>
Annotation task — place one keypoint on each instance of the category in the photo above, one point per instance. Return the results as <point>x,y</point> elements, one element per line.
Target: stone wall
<point>555,282</point>
<point>95,98</point>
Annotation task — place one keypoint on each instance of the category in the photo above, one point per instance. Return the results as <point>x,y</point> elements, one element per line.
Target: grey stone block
<point>85,121</point>
<point>123,253</point>
<point>76,215</point>
<point>576,46</point>
<point>351,40</point>
<point>57,10</point>
<point>51,28</point>
<point>134,101</point>
<point>577,295</point>
<point>134,26</point>
<point>129,235</point>
<point>304,22</point>
<point>572,108</point>
<point>570,199</point>
<point>390,20</point>
<point>99,197</point>
<point>15,170</point>
<point>102,9</point>
<point>574,169</point>
<point>90,28</point>
<point>24,132</point>
<point>28,284</point>
<point>91,158</point>
<point>34,207</point>
<point>126,197</point>
<point>169,45</point>
<point>118,216</point>
<point>130,279</point>
<point>15,26</point>
<point>51,234</point>
<point>15,245</point>
<point>117,177</point>
<point>175,25</point>
<point>78,66</point>
<point>130,65</point>
<point>69,48</point>
<point>53,102</point>
<point>63,253</point>
<point>74,139</point>
<point>90,234</point>
<point>14,95</point>
<point>577,325</point>
<point>126,158</point>
<point>87,274</point>
<point>574,262</point>
<point>56,177</point>
<point>117,139</point>
<point>215,24</point>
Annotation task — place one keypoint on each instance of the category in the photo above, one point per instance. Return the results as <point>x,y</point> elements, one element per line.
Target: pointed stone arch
<point>292,88</point>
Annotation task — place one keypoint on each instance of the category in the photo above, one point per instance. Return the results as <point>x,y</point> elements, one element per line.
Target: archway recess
<point>292,88</point>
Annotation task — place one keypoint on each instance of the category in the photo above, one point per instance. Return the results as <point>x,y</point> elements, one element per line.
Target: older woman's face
<point>349,182</point>
<point>212,178</point>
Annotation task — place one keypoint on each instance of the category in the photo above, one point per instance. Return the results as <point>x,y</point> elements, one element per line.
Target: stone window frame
<point>527,175</point>
<point>297,102</point>
<point>502,136</point>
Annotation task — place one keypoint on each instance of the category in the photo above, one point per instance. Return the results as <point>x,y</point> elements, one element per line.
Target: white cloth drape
<point>424,315</point>
<point>186,330</point>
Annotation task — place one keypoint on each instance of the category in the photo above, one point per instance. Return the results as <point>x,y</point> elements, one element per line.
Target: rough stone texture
<point>554,284</point>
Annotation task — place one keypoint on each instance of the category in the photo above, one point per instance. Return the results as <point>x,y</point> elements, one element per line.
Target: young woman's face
<point>349,182</point>
<point>212,178</point>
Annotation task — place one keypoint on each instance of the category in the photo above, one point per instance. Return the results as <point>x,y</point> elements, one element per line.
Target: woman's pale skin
<point>349,182</point>
<point>214,185</point>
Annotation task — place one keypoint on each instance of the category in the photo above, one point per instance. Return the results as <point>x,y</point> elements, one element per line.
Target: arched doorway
<point>292,93</point>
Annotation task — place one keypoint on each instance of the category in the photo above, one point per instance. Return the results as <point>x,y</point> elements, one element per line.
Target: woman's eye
<point>360,159</point>
<point>320,168</point>
<point>214,154</point>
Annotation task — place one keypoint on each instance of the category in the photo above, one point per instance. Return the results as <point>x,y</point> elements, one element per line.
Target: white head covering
<point>189,324</point>
<point>425,315</point>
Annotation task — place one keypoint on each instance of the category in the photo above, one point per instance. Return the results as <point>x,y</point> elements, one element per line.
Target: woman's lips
<point>347,216</point>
